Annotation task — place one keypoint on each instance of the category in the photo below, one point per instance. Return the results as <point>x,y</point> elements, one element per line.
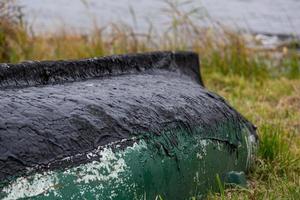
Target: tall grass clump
<point>220,48</point>
<point>272,143</point>
<point>232,57</point>
<point>275,156</point>
<point>292,66</point>
<point>13,36</point>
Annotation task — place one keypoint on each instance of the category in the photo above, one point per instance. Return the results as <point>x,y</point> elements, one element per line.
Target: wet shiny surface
<point>143,94</point>
<point>43,124</point>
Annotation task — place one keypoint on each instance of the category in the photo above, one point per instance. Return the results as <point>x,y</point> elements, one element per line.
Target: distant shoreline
<point>257,16</point>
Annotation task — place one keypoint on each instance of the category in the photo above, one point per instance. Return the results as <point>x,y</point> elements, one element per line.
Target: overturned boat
<point>120,127</point>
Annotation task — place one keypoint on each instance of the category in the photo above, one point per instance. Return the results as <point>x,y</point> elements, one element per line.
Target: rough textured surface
<point>53,72</point>
<point>54,110</point>
<point>148,168</point>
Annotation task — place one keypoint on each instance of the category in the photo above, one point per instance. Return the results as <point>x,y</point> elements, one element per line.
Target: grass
<point>268,104</point>
<point>264,87</point>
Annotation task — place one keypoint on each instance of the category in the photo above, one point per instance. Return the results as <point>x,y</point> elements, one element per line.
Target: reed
<point>221,50</point>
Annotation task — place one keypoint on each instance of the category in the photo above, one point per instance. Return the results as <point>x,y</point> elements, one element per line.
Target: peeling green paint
<point>176,164</point>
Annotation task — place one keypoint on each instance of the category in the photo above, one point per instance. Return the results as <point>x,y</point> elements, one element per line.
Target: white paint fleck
<point>107,169</point>
<point>24,187</point>
<point>199,156</point>
<point>108,162</point>
<point>251,148</point>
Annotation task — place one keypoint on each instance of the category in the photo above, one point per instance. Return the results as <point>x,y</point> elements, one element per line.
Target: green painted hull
<point>121,127</point>
<point>179,168</point>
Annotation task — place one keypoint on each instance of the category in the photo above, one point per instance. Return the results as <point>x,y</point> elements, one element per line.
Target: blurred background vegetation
<point>263,84</point>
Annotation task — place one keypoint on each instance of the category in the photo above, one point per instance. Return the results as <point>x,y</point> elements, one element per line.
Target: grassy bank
<point>274,106</point>
<point>263,85</point>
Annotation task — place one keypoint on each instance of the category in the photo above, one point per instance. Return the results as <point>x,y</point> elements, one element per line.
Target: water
<point>259,16</point>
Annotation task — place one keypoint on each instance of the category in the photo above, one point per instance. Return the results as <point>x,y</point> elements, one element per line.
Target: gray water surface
<point>259,16</point>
